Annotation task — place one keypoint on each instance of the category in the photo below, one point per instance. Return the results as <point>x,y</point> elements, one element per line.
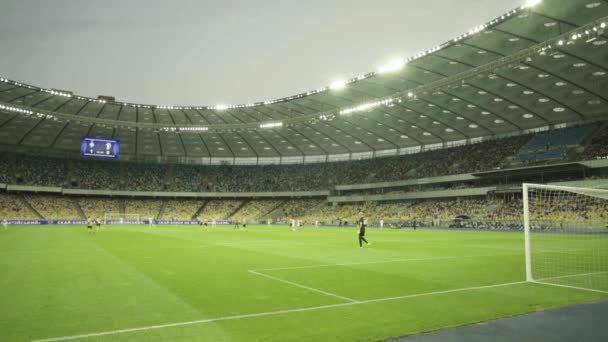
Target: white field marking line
<point>304,286</point>
<point>381,262</point>
<point>353,263</point>
<point>569,286</point>
<point>271,313</point>
<point>573,275</point>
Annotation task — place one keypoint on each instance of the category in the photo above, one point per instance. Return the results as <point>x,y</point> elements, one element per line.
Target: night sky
<point>188,52</point>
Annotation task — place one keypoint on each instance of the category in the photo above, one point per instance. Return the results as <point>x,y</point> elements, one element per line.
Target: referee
<point>361,224</point>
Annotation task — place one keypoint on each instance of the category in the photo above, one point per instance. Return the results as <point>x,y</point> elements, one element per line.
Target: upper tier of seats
<point>112,175</point>
<point>552,144</point>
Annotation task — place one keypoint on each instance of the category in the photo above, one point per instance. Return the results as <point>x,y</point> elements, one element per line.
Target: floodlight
<point>340,84</point>
<point>392,66</point>
<point>532,3</point>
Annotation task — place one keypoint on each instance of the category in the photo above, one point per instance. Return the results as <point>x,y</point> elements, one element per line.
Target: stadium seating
<point>217,210</point>
<point>112,175</point>
<point>98,207</point>
<point>54,207</point>
<point>552,145</point>
<point>598,145</point>
<point>180,209</point>
<point>478,213</point>
<point>12,208</point>
<point>145,208</point>
<point>256,210</point>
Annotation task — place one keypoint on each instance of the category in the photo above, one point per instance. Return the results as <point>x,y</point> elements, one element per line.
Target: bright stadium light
<point>532,3</point>
<point>271,125</point>
<point>340,84</point>
<point>221,107</point>
<point>393,65</point>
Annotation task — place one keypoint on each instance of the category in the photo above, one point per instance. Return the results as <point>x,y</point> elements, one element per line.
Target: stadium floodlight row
<point>533,68</point>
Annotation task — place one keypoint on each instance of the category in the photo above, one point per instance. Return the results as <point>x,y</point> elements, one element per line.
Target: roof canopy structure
<point>538,66</point>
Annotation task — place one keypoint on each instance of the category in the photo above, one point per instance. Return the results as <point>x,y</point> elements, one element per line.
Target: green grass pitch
<point>180,283</point>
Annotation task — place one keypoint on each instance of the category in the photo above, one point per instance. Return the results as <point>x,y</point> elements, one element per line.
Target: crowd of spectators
<point>144,177</point>
<point>54,207</point>
<point>112,175</point>
<point>145,208</point>
<point>551,211</point>
<point>597,147</point>
<point>180,209</point>
<point>98,207</point>
<point>40,171</point>
<point>97,175</point>
<point>11,208</point>
<point>255,210</point>
<point>217,210</point>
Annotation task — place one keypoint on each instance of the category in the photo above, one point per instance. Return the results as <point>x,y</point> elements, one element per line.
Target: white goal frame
<point>526,217</point>
<point>124,217</point>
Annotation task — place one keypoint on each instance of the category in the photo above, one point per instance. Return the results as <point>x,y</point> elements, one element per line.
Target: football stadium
<point>458,189</point>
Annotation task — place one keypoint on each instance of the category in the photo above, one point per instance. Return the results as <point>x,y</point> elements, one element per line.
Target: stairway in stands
<point>29,206</point>
<point>79,208</point>
<point>200,210</point>
<point>244,203</point>
<point>268,214</point>
<point>161,211</point>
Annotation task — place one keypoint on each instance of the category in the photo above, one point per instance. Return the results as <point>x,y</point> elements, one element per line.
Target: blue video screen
<point>100,148</point>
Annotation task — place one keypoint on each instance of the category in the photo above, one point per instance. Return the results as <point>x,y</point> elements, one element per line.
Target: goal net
<point>119,218</point>
<point>566,236</point>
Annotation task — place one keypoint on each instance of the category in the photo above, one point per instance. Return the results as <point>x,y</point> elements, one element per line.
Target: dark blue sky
<point>189,52</point>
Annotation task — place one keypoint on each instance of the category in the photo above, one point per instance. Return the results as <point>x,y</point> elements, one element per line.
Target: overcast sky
<point>202,52</point>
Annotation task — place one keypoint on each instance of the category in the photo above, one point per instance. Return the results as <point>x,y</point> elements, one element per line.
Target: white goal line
<point>270,313</point>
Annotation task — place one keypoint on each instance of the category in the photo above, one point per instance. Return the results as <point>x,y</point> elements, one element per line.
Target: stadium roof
<point>538,66</point>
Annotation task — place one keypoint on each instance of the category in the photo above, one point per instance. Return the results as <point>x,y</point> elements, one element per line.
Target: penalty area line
<point>271,313</point>
<point>303,286</point>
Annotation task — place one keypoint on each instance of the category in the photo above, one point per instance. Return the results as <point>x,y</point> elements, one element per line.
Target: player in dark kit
<point>90,225</point>
<point>361,224</point>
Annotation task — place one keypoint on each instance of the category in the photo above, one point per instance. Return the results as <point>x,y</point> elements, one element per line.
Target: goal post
<point>119,218</point>
<point>566,236</point>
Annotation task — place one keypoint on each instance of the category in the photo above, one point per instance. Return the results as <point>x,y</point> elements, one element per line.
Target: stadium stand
<point>255,210</point>
<point>145,208</point>
<point>12,208</point>
<point>219,209</point>
<point>97,207</point>
<point>552,145</point>
<point>54,207</point>
<point>598,144</point>
<point>541,147</point>
<point>100,175</point>
<point>180,209</point>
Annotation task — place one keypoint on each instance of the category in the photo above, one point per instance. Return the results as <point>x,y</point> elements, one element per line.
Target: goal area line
<point>271,313</point>
<point>545,281</point>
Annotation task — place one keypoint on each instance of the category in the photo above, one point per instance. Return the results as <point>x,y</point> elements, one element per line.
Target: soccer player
<point>381,224</point>
<point>5,224</point>
<point>236,225</point>
<point>98,221</point>
<point>90,225</point>
<point>361,224</point>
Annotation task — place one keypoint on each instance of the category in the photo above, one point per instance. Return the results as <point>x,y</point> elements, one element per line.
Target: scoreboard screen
<point>102,148</point>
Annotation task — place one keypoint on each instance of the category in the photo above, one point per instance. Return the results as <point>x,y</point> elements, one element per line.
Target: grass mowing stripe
<point>270,313</point>
<point>304,286</point>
